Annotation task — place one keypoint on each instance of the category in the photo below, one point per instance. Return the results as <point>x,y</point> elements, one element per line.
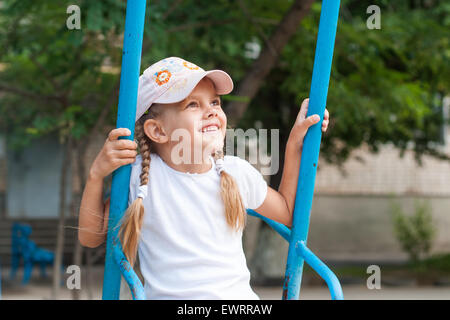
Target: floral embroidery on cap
<point>190,65</point>
<point>162,77</point>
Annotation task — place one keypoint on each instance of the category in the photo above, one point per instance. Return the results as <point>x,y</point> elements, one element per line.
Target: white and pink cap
<point>172,79</point>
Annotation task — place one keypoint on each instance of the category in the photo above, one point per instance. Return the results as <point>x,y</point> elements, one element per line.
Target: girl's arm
<point>279,205</point>
<point>93,218</point>
<point>94,213</point>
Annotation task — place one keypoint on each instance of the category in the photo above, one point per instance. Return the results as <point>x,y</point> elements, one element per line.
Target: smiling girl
<point>187,201</point>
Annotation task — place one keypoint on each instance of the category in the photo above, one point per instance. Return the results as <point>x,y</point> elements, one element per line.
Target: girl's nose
<point>211,112</point>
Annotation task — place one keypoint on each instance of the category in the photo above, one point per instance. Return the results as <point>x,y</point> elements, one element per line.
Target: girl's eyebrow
<point>195,97</point>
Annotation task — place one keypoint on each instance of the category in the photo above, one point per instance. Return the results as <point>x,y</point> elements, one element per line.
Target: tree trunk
<point>269,254</point>
<point>57,263</point>
<point>253,79</point>
<point>82,147</point>
<point>268,262</point>
<point>77,260</point>
<point>89,273</point>
<point>81,170</point>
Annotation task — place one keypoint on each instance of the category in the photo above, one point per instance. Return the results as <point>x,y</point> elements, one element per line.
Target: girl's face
<point>198,119</point>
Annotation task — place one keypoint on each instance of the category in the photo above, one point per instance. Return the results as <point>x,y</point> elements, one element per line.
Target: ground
<point>40,289</point>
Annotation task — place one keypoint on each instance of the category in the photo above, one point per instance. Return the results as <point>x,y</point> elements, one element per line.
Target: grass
<point>427,272</point>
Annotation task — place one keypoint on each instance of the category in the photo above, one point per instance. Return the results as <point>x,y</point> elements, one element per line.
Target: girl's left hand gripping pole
<point>129,80</point>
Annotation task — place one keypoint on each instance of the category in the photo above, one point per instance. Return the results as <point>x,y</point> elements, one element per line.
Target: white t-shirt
<point>187,250</point>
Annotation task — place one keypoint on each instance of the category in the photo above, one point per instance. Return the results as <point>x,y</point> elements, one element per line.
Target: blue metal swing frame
<point>116,264</point>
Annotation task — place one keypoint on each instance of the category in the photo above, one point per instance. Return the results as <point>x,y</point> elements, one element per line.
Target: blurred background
<point>382,195</point>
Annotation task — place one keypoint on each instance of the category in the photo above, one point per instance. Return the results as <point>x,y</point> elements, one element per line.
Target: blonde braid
<point>144,147</point>
<point>229,191</point>
<point>133,218</point>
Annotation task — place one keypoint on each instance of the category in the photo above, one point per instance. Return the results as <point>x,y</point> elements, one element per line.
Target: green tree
<point>414,232</point>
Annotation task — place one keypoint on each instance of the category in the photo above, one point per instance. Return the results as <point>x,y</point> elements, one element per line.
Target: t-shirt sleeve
<point>255,187</point>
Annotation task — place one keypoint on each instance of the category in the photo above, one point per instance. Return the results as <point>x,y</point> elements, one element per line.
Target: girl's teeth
<point>209,129</point>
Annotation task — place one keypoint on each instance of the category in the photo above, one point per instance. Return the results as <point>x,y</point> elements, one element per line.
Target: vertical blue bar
<point>129,80</point>
<point>311,145</point>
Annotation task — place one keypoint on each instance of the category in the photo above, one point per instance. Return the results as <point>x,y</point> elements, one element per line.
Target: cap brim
<point>222,83</point>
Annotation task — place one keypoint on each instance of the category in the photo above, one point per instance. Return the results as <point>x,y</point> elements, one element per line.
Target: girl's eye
<point>195,104</point>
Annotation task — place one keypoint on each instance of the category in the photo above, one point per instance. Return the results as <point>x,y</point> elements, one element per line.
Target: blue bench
<point>25,249</point>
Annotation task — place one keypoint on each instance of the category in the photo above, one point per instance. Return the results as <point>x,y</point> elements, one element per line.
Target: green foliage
<point>438,262</point>
<point>415,232</point>
<point>386,84</point>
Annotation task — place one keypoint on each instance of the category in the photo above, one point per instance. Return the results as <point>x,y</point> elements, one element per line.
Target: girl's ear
<point>155,131</point>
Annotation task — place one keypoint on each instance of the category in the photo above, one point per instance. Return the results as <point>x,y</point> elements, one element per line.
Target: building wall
<point>359,228</point>
<point>351,217</point>
<point>385,173</point>
<point>33,180</point>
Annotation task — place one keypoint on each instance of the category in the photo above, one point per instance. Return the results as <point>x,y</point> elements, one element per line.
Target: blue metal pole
<point>135,285</point>
<point>282,230</point>
<point>324,272</point>
<point>129,80</point>
<point>311,145</point>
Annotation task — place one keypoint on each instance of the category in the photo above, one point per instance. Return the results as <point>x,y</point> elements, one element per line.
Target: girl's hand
<point>114,154</point>
<point>302,124</point>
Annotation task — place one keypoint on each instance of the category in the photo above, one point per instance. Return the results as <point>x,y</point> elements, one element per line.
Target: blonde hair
<point>131,226</point>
